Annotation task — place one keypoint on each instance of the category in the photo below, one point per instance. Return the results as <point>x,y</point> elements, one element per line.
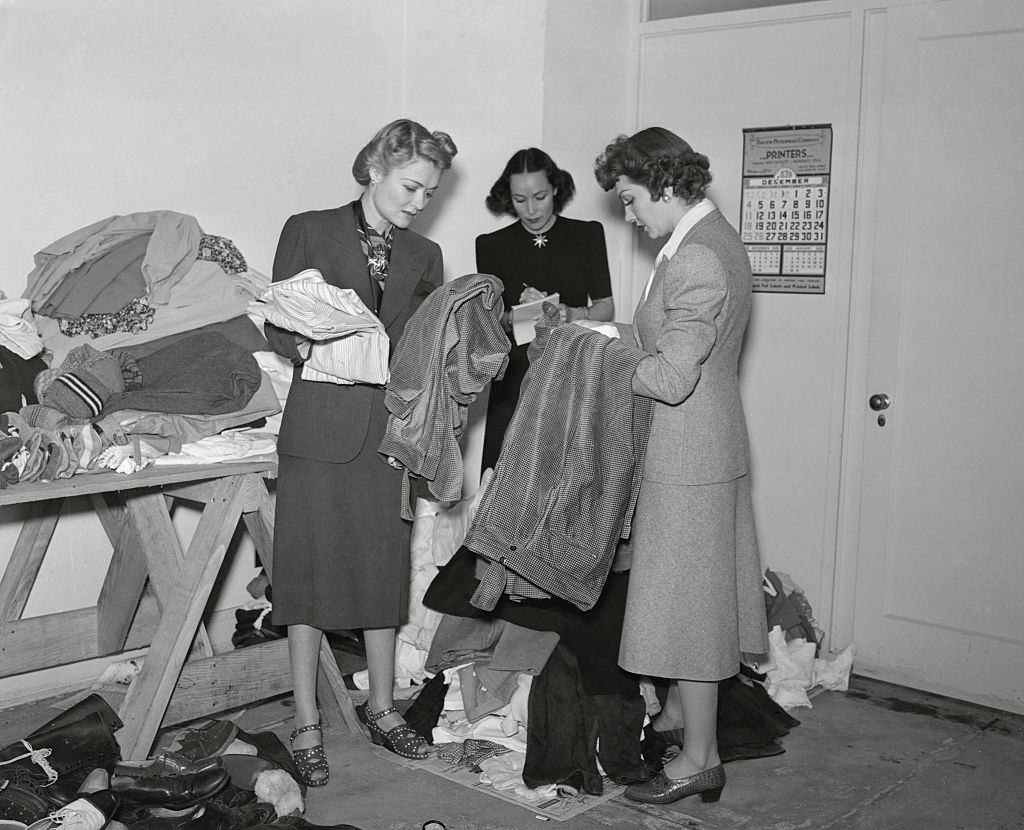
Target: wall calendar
<point>784,206</point>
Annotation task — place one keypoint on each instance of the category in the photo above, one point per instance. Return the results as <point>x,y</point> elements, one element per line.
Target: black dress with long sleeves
<point>573,262</point>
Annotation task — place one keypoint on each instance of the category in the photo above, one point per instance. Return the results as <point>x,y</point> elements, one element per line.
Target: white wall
<point>589,99</point>
<point>244,113</point>
<point>241,114</point>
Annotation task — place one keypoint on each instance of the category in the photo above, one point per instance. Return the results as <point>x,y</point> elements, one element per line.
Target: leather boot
<point>80,740</point>
<point>85,707</point>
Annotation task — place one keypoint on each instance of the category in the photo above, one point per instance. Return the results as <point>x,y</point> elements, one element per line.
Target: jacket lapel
<point>346,256</point>
<point>659,271</point>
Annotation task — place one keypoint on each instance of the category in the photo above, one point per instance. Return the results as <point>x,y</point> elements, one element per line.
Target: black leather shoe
<point>664,790</point>
<point>21,802</point>
<point>166,764</point>
<point>172,792</point>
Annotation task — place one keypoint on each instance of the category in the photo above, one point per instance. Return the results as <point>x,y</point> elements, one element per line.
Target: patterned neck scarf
<point>377,250</point>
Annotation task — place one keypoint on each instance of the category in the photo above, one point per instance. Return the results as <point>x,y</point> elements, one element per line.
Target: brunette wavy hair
<point>530,160</point>
<point>659,160</point>
<point>399,143</point>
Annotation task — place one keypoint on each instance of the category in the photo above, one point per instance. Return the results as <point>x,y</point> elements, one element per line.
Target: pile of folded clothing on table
<point>132,344</point>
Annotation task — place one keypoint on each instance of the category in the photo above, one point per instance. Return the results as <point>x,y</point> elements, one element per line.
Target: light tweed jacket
<point>691,325</point>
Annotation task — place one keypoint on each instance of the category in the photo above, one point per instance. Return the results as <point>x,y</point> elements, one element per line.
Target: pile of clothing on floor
<point>515,654</point>
<point>213,775</point>
<point>533,687</point>
<point>132,344</point>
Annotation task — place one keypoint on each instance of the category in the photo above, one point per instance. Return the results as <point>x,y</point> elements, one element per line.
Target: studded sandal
<point>311,762</point>
<point>401,739</point>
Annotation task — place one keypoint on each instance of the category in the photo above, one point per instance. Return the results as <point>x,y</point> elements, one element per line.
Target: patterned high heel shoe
<point>401,739</point>
<point>664,790</point>
<point>311,762</point>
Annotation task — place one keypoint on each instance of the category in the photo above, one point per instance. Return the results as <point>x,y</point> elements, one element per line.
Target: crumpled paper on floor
<point>792,670</point>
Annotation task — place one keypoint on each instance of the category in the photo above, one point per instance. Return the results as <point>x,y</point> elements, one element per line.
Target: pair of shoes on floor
<point>401,739</point>
<point>91,811</point>
<point>311,763</point>
<point>664,790</point>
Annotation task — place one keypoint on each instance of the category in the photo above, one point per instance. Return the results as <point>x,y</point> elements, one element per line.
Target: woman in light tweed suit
<point>695,600</point>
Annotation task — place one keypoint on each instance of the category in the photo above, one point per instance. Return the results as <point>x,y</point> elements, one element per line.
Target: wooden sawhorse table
<point>181,678</point>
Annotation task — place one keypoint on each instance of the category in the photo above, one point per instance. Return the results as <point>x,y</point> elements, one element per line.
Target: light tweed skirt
<point>695,599</point>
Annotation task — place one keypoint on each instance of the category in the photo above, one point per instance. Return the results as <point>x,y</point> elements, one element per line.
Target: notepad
<point>525,315</point>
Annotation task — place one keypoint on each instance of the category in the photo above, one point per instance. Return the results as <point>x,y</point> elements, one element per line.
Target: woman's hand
<point>531,295</point>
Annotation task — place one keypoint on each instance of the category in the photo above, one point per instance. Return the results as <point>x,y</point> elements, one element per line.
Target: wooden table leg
<point>126,575</point>
<point>150,692</point>
<point>27,557</point>
<point>259,521</point>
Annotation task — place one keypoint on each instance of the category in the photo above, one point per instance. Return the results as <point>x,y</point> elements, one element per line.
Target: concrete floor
<point>877,757</point>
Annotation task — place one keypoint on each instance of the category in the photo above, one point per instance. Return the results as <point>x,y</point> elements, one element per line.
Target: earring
<point>666,198</point>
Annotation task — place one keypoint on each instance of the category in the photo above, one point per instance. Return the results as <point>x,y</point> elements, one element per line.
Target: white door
<point>939,598</point>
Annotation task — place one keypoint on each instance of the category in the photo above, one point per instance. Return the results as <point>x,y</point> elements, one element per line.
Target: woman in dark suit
<point>341,551</point>
<point>695,600</point>
<point>539,254</point>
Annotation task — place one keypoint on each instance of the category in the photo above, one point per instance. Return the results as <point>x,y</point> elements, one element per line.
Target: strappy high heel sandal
<point>311,762</point>
<point>401,739</point>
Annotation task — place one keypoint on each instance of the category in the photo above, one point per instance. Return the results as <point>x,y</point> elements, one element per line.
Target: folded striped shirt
<point>349,344</point>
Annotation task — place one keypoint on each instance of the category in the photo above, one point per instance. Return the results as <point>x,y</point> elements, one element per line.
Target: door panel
<point>708,82</point>
<point>940,571</point>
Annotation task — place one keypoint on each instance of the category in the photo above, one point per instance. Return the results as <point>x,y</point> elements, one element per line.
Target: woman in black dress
<point>341,549</point>
<point>541,253</point>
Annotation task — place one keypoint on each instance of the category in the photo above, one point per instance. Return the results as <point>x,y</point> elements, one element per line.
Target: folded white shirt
<point>18,331</point>
<point>349,342</point>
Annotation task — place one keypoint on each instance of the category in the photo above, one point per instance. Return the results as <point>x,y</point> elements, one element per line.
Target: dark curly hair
<point>399,143</point>
<point>659,160</point>
<point>530,160</point>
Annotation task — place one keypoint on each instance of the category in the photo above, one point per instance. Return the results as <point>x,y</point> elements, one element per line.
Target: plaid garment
<point>451,348</point>
<point>566,483</point>
<point>470,752</point>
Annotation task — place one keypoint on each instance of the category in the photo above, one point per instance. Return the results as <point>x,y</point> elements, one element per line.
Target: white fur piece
<point>277,787</point>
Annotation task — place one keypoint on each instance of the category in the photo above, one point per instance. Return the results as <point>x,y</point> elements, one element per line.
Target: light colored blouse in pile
<point>348,343</point>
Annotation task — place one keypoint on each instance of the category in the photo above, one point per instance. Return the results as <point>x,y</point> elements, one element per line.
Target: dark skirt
<point>341,550</point>
<point>501,405</point>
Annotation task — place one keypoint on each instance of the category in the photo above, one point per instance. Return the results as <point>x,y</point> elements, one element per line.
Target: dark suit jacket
<point>323,420</point>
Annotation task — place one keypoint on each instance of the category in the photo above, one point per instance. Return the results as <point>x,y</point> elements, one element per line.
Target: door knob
<point>879,402</point>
